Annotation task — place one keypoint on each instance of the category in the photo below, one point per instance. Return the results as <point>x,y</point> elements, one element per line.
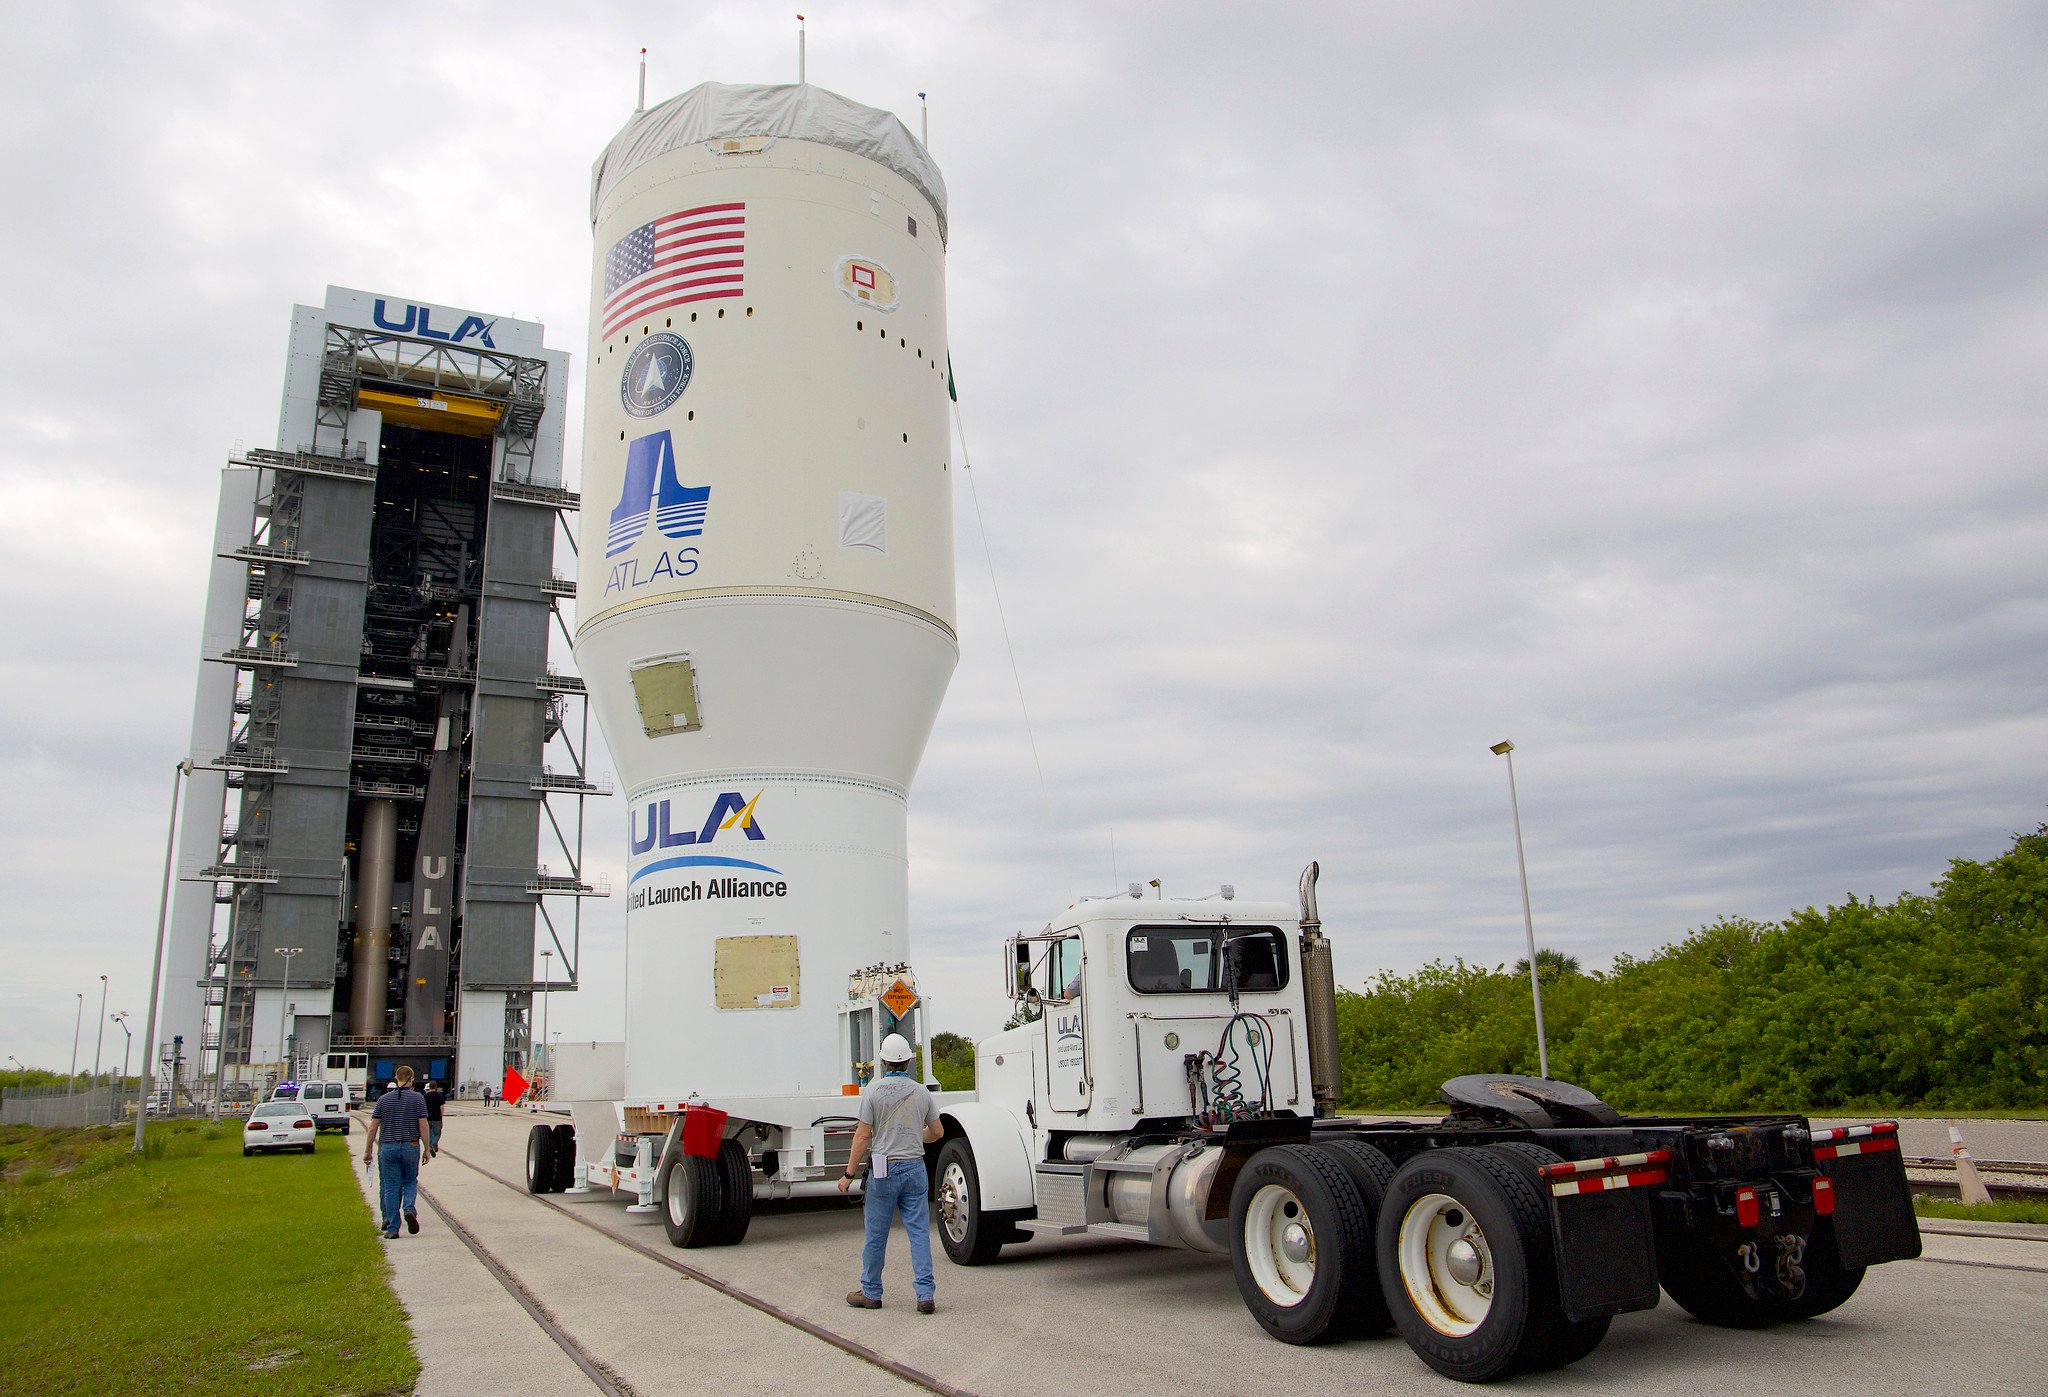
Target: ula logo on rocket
<point>652,490</point>
<point>652,828</point>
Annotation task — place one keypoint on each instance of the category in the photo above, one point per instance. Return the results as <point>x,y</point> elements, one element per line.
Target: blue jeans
<point>398,1177</point>
<point>905,1191</point>
<point>433,1137</point>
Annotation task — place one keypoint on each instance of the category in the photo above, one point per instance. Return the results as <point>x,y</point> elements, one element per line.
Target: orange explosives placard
<point>899,997</point>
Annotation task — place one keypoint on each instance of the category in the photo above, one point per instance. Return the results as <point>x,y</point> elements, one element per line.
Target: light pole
<point>1507,749</point>
<point>99,1039</point>
<point>77,1022</point>
<point>24,1071</point>
<point>547,975</point>
<point>156,970</point>
<point>283,1009</point>
<point>129,1036</point>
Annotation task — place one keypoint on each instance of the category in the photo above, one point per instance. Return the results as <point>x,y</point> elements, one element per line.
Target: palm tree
<point>1555,965</point>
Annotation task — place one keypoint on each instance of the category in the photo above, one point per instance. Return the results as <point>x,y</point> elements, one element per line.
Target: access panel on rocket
<point>765,597</point>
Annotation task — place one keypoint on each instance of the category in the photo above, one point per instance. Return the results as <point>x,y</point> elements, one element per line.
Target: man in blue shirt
<point>397,1116</point>
<point>898,1118</point>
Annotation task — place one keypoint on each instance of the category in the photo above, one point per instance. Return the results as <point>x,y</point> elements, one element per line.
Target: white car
<point>278,1125</point>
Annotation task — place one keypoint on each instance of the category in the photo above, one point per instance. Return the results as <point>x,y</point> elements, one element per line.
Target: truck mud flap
<point>1606,1241</point>
<point>1242,1140</point>
<point>1872,1206</point>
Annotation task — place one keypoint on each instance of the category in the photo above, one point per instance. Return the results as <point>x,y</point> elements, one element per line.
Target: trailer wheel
<point>736,1194</point>
<point>1299,1243</point>
<point>1574,1338</point>
<point>565,1158</point>
<point>1370,1171</point>
<point>971,1235</point>
<point>540,1160</point>
<point>691,1200</point>
<point>1466,1262</point>
<point>1707,1287</point>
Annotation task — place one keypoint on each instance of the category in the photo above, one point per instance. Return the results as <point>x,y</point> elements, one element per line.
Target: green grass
<point>190,1269</point>
<point>1987,1212</point>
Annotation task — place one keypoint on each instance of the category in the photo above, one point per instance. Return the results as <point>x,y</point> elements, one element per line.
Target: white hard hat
<point>896,1048</point>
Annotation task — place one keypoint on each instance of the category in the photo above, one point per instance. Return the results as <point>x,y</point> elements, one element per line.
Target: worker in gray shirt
<point>898,1118</point>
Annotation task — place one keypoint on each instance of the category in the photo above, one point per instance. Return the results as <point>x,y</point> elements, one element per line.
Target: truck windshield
<point>1189,960</point>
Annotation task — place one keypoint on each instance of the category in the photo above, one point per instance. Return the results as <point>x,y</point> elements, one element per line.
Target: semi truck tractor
<point>1172,1078</point>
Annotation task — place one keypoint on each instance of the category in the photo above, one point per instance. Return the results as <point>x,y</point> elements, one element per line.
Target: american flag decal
<point>691,255</point>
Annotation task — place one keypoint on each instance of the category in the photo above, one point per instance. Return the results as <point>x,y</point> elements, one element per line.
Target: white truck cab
<point>1142,1030</point>
<point>1119,995</point>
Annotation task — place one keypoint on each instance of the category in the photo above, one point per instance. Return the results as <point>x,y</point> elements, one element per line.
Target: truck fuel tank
<point>1165,1188</point>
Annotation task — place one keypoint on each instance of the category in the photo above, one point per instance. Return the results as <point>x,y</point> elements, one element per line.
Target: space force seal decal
<point>656,373</point>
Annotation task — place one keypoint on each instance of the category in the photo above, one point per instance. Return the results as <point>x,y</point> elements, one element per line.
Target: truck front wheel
<point>1300,1245</point>
<point>971,1234</point>
<point>1466,1264</point>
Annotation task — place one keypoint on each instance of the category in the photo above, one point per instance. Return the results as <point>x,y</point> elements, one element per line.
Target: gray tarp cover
<point>799,113</point>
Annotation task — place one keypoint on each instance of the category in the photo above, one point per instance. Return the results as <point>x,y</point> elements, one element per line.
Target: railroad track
<point>2007,1180</point>
<point>601,1377</point>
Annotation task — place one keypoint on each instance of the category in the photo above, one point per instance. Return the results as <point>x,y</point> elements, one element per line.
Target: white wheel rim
<point>1436,1280</point>
<point>678,1184</point>
<point>953,1202</point>
<point>1280,1244</point>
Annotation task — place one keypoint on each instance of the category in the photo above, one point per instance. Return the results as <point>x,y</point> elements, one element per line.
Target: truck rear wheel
<point>1467,1264</point>
<point>692,1200</point>
<point>1370,1172</point>
<point>1707,1287</point>
<point>540,1160</point>
<point>736,1195</point>
<point>1574,1338</point>
<point>1300,1245</point>
<point>971,1235</point>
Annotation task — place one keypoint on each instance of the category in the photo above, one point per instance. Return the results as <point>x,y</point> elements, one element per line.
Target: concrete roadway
<point>1088,1316</point>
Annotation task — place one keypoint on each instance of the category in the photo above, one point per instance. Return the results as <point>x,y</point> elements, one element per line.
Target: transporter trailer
<point>1174,1082</point>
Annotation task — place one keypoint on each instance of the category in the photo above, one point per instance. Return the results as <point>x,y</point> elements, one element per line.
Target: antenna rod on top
<point>800,50</point>
<point>924,123</point>
<point>641,106</point>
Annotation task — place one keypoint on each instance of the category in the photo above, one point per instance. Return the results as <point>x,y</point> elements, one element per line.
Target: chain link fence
<point>48,1106</point>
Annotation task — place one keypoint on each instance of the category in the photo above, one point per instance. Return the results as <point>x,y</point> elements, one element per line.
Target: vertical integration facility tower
<point>767,619</point>
<point>374,707</point>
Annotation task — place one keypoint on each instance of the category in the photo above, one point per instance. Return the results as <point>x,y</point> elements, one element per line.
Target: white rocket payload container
<point>765,598</point>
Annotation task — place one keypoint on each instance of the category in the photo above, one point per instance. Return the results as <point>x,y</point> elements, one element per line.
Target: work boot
<point>412,1221</point>
<point>927,1307</point>
<point>861,1302</point>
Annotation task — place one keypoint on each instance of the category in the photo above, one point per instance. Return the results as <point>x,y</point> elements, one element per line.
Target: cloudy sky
<point>1346,388</point>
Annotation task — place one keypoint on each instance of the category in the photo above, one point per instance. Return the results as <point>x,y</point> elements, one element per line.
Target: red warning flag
<point>515,1086</point>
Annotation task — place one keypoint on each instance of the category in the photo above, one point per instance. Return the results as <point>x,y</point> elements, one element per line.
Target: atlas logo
<point>656,373</point>
<point>652,490</point>
<point>653,828</point>
<point>418,320</point>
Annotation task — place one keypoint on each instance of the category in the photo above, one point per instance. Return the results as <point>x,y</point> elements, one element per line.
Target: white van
<point>327,1103</point>
<point>350,1069</point>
